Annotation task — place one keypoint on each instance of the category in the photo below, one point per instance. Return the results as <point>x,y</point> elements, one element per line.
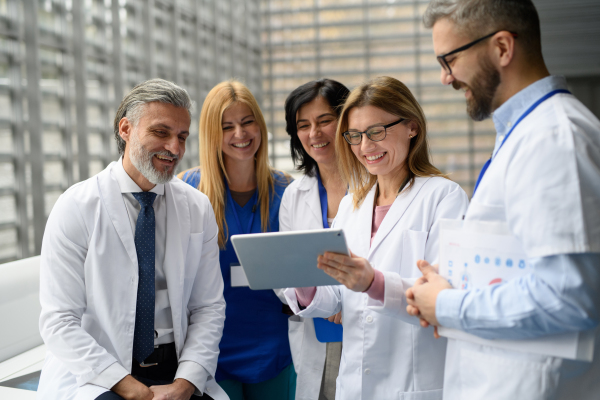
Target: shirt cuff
<point>377,289</point>
<point>195,374</point>
<point>447,307</point>
<point>110,376</point>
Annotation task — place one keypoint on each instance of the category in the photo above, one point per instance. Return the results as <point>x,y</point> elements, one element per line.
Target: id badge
<point>238,276</point>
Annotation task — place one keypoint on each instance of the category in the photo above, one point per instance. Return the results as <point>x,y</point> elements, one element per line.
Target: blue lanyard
<point>323,198</point>
<point>525,114</point>
<point>234,211</point>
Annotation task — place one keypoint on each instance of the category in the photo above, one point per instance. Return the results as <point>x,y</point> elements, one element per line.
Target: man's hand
<point>130,388</point>
<point>423,295</point>
<point>336,319</point>
<point>353,272</point>
<point>178,390</point>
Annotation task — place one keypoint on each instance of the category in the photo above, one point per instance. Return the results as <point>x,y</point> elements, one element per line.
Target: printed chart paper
<point>475,254</point>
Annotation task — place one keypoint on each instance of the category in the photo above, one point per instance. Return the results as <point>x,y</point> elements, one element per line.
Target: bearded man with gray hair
<point>542,184</point>
<point>131,288</point>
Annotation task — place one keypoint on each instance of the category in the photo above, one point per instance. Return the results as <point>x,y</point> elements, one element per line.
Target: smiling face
<point>316,124</point>
<point>241,133</point>
<point>156,144</point>
<point>387,157</point>
<point>472,69</point>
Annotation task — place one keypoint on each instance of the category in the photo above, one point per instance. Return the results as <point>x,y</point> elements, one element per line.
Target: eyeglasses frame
<point>385,128</point>
<point>442,58</point>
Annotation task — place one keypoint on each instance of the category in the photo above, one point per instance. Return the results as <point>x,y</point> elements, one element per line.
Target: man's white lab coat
<point>544,183</point>
<point>89,278</point>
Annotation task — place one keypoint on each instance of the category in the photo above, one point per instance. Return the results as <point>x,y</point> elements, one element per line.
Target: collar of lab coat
<point>110,193</point>
<point>508,113</point>
<point>306,182</point>
<point>395,213</point>
<point>177,238</point>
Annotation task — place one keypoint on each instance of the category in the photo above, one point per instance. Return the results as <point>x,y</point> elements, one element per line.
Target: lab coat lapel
<point>396,211</point>
<point>310,186</point>
<point>111,196</point>
<point>177,241</point>
<point>363,224</point>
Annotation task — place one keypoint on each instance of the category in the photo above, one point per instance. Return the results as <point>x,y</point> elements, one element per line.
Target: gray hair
<point>477,18</point>
<point>134,102</point>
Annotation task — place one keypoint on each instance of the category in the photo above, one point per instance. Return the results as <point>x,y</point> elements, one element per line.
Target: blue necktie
<point>143,336</point>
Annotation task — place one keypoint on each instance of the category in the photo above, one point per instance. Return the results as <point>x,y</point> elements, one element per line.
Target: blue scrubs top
<point>255,345</point>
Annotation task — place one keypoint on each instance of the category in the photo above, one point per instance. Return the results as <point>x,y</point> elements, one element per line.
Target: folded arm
<point>560,296</point>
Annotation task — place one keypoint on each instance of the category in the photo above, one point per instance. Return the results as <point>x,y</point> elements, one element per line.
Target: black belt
<point>161,353</point>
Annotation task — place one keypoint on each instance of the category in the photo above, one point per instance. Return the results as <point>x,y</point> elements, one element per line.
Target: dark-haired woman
<point>311,202</point>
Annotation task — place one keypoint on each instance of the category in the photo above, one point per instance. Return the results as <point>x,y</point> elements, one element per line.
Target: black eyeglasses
<point>375,133</point>
<point>442,59</point>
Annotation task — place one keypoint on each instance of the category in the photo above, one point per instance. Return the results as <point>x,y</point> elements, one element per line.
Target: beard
<point>483,89</point>
<point>142,161</point>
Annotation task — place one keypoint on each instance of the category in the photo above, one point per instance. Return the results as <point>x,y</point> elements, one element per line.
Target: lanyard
<point>234,211</point>
<point>526,113</point>
<point>323,198</point>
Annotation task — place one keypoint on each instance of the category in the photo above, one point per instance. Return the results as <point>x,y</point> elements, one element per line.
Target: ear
<point>125,129</point>
<point>413,128</point>
<point>504,48</point>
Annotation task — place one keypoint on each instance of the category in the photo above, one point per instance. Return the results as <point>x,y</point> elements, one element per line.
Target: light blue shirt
<point>563,293</point>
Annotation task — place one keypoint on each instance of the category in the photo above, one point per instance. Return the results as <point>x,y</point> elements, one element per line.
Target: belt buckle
<point>144,365</point>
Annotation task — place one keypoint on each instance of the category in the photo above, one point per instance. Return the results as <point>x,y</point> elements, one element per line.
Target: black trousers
<point>161,374</point>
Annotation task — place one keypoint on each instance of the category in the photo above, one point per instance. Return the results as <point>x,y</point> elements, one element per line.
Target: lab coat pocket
<point>423,395</point>
<point>532,377</point>
<point>413,249</point>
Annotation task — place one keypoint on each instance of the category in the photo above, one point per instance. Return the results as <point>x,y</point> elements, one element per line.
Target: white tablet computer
<point>278,260</point>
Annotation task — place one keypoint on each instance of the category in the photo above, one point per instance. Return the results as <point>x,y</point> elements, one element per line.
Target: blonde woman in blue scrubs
<point>254,361</point>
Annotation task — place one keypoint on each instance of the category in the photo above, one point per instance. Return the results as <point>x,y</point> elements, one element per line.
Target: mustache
<point>165,153</point>
<point>457,85</point>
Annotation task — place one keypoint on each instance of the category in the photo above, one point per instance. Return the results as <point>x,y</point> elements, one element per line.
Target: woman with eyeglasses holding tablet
<point>245,193</point>
<point>311,202</point>
<point>390,220</point>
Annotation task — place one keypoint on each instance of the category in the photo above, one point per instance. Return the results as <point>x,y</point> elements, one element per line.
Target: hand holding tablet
<point>287,259</point>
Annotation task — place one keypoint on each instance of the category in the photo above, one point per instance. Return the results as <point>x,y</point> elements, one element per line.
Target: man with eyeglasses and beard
<point>543,182</point>
<point>131,289</point>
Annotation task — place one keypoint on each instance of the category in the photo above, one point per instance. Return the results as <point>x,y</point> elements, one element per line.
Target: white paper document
<point>476,254</point>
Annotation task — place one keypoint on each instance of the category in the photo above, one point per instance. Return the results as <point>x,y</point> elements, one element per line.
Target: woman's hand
<point>353,272</point>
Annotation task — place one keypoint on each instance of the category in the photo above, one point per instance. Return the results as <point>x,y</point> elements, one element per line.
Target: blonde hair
<point>392,96</point>
<point>212,167</point>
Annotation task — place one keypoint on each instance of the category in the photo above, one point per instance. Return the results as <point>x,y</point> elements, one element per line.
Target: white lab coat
<point>89,278</point>
<point>300,209</point>
<point>539,154</point>
<point>386,354</point>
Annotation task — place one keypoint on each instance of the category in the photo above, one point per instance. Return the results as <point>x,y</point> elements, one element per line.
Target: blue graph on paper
<point>475,259</point>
